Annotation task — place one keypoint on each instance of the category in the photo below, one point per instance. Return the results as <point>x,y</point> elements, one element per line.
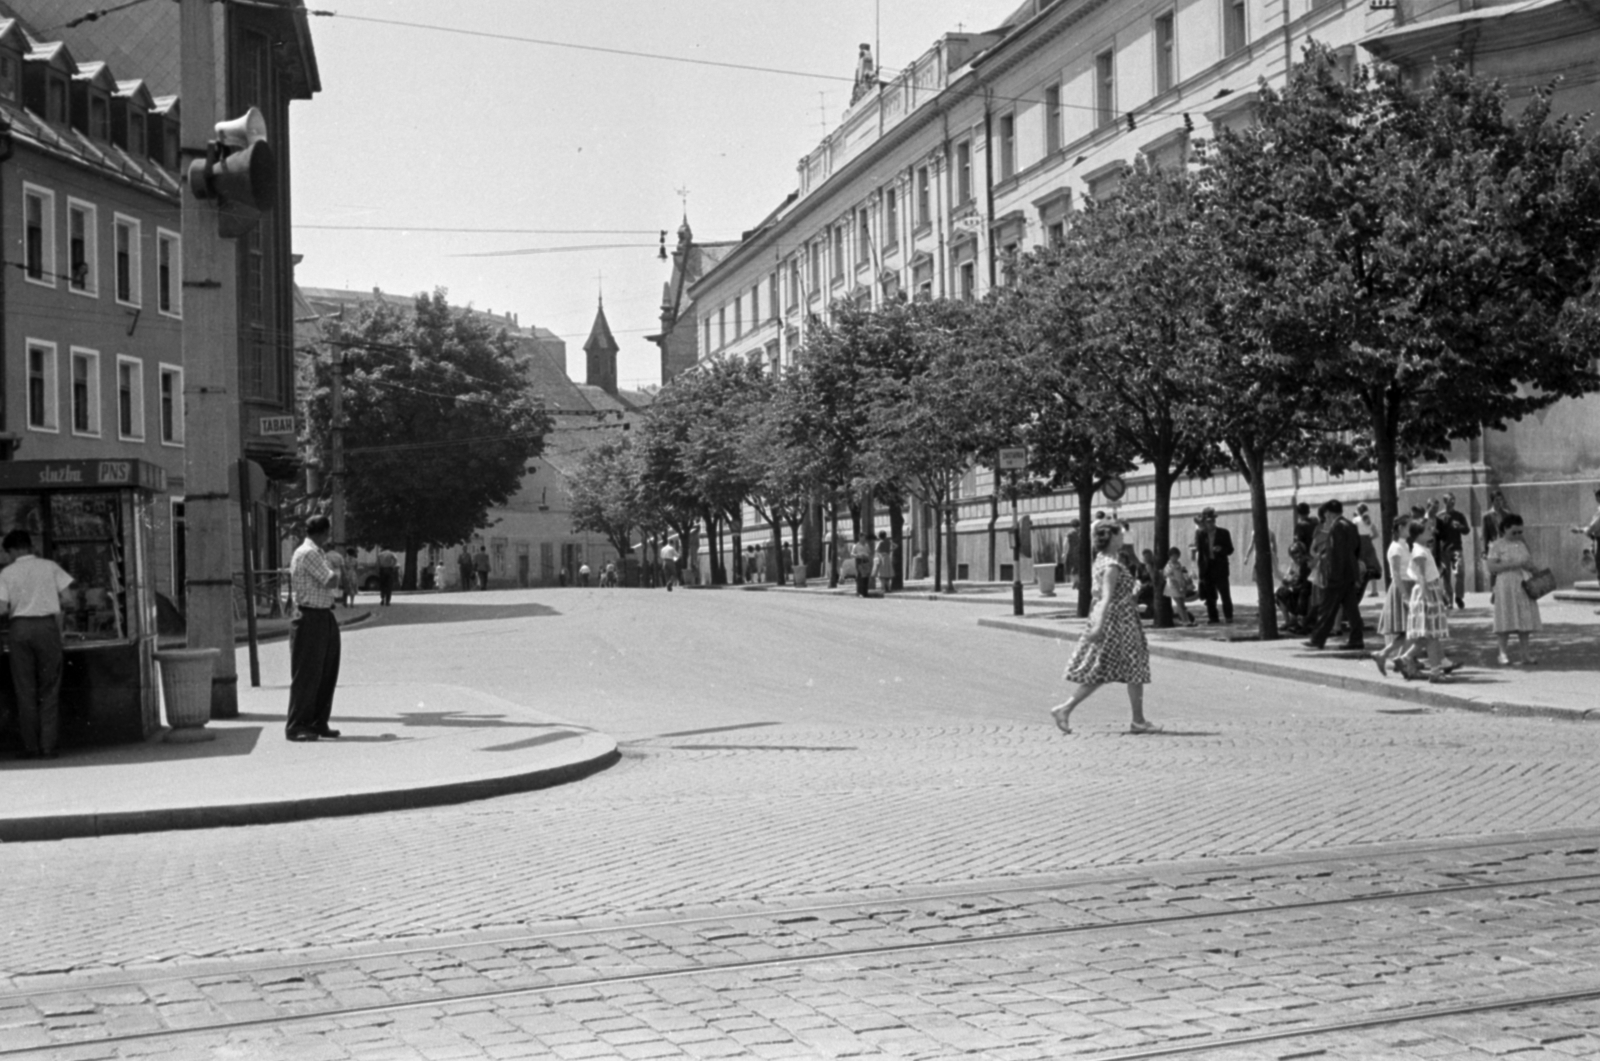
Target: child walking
<point>1179,585</point>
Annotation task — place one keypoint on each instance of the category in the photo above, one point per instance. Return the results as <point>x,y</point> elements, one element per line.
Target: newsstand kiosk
<point>94,518</point>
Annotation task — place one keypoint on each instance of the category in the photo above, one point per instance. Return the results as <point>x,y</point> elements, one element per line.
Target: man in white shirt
<point>314,648</point>
<point>30,592</point>
<point>669,564</point>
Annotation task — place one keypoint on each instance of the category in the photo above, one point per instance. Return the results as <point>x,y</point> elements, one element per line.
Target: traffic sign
<point>1114,488</point>
<point>1013,458</point>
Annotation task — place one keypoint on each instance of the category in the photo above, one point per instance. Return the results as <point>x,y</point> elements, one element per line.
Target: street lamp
<point>1013,459</point>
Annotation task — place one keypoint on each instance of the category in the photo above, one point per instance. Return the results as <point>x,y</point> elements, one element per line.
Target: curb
<point>1370,686</point>
<point>110,823</point>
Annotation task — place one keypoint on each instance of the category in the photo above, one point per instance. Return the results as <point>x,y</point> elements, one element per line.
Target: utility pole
<point>337,400</point>
<point>210,342</point>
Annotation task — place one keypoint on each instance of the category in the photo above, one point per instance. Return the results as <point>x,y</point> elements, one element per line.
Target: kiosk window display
<point>94,518</point>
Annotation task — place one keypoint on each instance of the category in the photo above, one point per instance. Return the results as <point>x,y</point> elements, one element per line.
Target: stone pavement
<point>402,745</point>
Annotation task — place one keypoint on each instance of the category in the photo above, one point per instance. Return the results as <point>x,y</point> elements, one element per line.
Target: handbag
<point>1539,583</point>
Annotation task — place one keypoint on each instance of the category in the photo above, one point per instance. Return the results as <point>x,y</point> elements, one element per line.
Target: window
<point>738,317</point>
<point>1165,53</point>
<point>8,77</point>
<point>922,279</point>
<point>755,305</point>
<point>1008,146</point>
<point>82,268</point>
<point>42,386</point>
<point>707,348</point>
<point>136,131</point>
<point>99,117</point>
<point>964,172</point>
<point>863,237</point>
<point>85,392</point>
<point>1233,26</point>
<point>838,253</point>
<point>255,279</point>
<point>891,218</point>
<point>967,285</point>
<point>722,326</point>
<point>1105,101</point>
<point>169,272</point>
<point>1055,233</point>
<point>772,296</point>
<point>130,398</point>
<point>924,205</point>
<point>38,213</point>
<point>1052,119</point>
<point>56,101</point>
<point>816,266</point>
<point>171,405</point>
<point>127,250</point>
<point>794,283</point>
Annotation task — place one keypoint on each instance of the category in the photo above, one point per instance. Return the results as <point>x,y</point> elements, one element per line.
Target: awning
<point>1528,23</point>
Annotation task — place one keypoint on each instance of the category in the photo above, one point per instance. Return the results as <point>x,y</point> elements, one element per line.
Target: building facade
<point>985,144</point>
<point>265,60</point>
<point>530,539</point>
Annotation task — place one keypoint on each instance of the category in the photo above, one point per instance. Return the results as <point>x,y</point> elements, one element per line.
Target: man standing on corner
<point>388,569</point>
<point>1212,547</point>
<point>30,590</point>
<point>314,647</point>
<point>480,564</point>
<point>669,564</point>
<point>1346,582</point>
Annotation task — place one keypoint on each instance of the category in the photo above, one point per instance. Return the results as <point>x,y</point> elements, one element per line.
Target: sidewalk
<point>440,744</point>
<point>1562,684</point>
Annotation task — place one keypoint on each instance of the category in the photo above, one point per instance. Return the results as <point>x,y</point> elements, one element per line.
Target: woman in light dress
<point>1510,563</point>
<point>1112,648</point>
<point>1427,619</point>
<point>1392,619</point>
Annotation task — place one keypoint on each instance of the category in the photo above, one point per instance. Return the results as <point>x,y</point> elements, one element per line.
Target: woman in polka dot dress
<point>1113,647</point>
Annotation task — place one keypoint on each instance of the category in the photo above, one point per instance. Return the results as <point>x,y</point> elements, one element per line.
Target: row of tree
<point>1373,269</point>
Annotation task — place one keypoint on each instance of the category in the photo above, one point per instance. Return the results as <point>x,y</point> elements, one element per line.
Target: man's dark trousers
<point>1213,588</point>
<point>36,676</point>
<point>313,669</point>
<point>385,584</point>
<point>1338,600</point>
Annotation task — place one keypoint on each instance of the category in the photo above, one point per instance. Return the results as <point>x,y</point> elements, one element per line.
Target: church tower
<point>601,350</point>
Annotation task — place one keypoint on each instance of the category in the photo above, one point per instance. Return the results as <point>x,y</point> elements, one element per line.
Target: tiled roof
<point>28,129</point>
<point>600,337</point>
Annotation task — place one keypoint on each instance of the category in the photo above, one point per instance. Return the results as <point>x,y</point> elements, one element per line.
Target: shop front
<point>94,518</point>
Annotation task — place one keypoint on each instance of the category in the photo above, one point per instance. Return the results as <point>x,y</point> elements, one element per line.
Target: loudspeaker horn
<point>249,177</point>
<point>249,128</point>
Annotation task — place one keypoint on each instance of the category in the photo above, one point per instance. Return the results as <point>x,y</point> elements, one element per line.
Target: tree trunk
<point>1160,606</point>
<point>833,543</point>
<point>719,570</point>
<point>1388,485</point>
<point>776,567</point>
<point>950,512</point>
<point>1253,465</point>
<point>1084,561</point>
<point>938,553</point>
<point>736,534</point>
<point>897,527</point>
<point>409,581</point>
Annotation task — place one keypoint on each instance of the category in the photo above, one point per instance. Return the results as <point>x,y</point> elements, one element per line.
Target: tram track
<point>864,953</point>
<point>1589,846</point>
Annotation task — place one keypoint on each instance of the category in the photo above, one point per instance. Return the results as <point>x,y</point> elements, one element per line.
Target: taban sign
<point>277,425</point>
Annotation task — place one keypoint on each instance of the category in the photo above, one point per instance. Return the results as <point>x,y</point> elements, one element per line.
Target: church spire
<point>601,350</point>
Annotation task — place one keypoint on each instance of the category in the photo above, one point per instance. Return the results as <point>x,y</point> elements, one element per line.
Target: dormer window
<point>99,117</point>
<point>135,135</point>
<point>8,76</point>
<point>56,100</point>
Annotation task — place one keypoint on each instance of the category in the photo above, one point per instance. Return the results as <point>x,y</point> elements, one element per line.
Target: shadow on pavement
<point>461,609</point>
<point>229,741</point>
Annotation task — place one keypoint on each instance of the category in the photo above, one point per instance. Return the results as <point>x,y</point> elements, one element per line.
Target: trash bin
<point>186,689</point>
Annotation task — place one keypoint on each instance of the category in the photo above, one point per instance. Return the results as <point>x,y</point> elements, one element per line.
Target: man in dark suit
<point>1212,547</point>
<point>1346,579</point>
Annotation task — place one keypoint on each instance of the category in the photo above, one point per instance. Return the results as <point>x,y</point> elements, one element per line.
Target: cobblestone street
<point>842,836</point>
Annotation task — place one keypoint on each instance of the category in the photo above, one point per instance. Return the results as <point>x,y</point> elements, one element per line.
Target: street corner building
<point>985,144</point>
<point>91,209</point>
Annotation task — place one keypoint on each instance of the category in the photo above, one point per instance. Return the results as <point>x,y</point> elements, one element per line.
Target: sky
<point>433,128</point>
